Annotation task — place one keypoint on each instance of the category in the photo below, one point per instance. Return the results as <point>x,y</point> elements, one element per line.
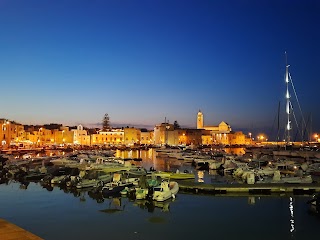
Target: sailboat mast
<point>288,105</point>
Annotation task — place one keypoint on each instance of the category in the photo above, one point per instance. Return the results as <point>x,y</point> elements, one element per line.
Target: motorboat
<point>166,190</point>
<point>144,192</point>
<point>117,185</point>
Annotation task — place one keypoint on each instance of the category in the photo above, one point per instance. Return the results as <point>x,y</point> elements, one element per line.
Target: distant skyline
<point>71,62</point>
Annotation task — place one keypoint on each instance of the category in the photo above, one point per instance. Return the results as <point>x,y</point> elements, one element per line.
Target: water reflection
<point>200,176</point>
<point>152,205</point>
<point>251,200</point>
<point>115,205</point>
<point>237,151</point>
<point>24,185</point>
<point>291,208</point>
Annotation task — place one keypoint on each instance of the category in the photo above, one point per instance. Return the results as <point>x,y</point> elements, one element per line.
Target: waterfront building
<point>146,137</point>
<point>223,127</point>
<point>187,136</point>
<point>161,132</point>
<point>10,133</point>
<point>109,137</point>
<point>132,136</point>
<point>165,133</point>
<point>80,136</point>
<point>218,134</point>
<point>237,138</point>
<point>39,136</point>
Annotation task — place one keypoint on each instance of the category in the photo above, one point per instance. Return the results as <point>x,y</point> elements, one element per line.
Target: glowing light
<point>291,215</point>
<point>200,176</point>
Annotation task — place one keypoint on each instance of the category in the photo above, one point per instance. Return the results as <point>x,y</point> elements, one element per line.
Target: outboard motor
<point>150,193</point>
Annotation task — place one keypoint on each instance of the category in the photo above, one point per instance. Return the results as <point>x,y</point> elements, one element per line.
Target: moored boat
<point>174,175</point>
<point>166,190</point>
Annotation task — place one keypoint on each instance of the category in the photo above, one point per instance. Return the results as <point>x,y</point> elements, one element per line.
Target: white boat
<point>165,191</point>
<point>143,192</point>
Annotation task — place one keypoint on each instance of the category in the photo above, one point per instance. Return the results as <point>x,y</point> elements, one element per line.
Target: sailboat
<point>290,117</point>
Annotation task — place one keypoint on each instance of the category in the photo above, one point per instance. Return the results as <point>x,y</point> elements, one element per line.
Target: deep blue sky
<point>141,61</point>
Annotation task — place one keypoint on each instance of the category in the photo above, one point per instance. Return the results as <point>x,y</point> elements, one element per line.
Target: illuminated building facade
<point>132,136</point>
<point>218,134</point>
<point>146,137</point>
<point>165,133</point>
<point>161,133</point>
<point>110,137</point>
<point>80,136</point>
<point>10,133</point>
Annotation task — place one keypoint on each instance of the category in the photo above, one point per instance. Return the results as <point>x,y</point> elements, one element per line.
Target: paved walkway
<point>9,231</point>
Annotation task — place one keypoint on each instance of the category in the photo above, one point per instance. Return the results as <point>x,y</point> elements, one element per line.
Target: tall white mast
<point>288,104</point>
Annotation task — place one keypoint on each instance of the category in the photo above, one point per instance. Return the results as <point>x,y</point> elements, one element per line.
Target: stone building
<point>11,133</point>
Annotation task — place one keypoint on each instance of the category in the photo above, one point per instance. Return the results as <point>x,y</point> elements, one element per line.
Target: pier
<point>9,231</point>
<point>258,188</point>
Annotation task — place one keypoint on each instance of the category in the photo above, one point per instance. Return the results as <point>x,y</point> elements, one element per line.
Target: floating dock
<point>9,231</point>
<point>258,188</point>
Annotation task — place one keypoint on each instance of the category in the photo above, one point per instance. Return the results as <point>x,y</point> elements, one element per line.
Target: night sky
<point>71,62</point>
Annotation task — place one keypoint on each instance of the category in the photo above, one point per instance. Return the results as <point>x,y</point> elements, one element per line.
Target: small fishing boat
<point>144,192</point>
<point>116,186</point>
<point>166,190</point>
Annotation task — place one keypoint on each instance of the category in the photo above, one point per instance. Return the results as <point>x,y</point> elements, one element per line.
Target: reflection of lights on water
<point>291,215</point>
<point>200,176</point>
<point>251,200</point>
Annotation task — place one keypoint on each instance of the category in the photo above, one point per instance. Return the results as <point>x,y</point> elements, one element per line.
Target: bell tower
<point>200,120</point>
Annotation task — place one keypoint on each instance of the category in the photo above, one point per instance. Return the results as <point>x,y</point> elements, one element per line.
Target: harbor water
<point>54,213</point>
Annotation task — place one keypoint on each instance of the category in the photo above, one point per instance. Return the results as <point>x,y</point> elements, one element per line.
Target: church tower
<point>200,120</point>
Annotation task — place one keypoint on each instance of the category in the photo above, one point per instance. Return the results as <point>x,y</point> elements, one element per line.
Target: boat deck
<point>9,231</point>
<point>258,188</point>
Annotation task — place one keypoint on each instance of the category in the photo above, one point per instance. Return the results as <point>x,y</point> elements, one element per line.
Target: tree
<point>176,125</point>
<point>106,122</point>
